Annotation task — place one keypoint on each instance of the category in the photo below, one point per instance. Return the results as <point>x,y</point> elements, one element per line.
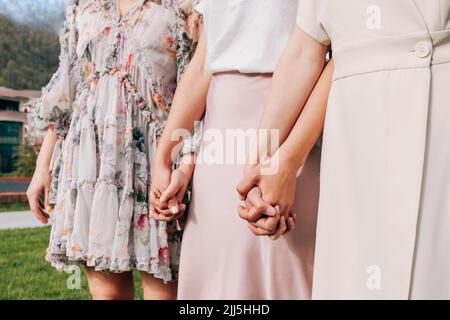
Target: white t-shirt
<point>246,35</point>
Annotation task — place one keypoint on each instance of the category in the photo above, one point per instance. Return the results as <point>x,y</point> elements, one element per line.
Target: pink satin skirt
<point>220,257</point>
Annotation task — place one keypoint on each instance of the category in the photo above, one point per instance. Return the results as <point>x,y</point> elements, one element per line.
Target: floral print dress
<point>108,103</point>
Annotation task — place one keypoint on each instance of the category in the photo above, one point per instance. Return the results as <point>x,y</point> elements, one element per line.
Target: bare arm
<point>189,103</point>
<point>48,144</point>
<point>295,78</point>
<point>309,125</point>
<point>297,72</point>
<point>40,184</point>
<point>168,188</point>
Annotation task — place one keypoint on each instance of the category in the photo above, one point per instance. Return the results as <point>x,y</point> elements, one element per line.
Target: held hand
<point>168,191</point>
<point>262,226</point>
<point>284,226</point>
<point>257,207</point>
<point>38,193</point>
<point>161,178</point>
<point>260,217</point>
<point>277,189</point>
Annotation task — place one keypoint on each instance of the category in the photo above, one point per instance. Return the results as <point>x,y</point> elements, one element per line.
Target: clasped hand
<point>167,194</point>
<point>268,201</point>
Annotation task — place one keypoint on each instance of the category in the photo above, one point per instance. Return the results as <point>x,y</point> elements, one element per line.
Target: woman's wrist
<point>291,158</point>
<point>187,164</point>
<point>162,159</point>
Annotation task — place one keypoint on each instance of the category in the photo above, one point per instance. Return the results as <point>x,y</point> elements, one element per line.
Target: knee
<point>110,286</point>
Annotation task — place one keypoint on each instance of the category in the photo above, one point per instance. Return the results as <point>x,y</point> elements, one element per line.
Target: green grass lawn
<point>25,275</point>
<point>18,206</point>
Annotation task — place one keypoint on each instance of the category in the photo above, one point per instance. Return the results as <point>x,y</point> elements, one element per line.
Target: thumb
<point>47,205</point>
<point>254,197</point>
<point>171,190</point>
<point>249,181</point>
<point>173,206</point>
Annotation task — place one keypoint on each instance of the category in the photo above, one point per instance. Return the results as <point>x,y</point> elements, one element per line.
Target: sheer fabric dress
<point>108,103</point>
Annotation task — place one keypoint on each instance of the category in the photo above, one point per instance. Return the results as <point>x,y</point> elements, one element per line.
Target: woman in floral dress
<point>103,111</point>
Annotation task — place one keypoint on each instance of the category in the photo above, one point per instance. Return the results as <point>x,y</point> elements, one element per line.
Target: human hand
<point>256,212</point>
<point>168,191</point>
<point>277,189</point>
<point>263,219</point>
<point>38,192</point>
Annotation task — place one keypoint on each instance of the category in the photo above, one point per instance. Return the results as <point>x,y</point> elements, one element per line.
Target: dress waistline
<point>412,51</point>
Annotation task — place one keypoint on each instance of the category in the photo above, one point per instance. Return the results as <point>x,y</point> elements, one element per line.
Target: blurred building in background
<point>29,49</point>
<point>14,128</point>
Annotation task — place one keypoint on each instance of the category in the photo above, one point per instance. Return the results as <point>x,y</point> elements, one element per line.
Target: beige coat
<point>384,215</point>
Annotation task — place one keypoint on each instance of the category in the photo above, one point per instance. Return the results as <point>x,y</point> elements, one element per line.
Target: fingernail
<point>48,208</point>
<point>174,209</point>
<point>277,209</point>
<point>162,199</point>
<point>271,212</point>
<point>292,223</point>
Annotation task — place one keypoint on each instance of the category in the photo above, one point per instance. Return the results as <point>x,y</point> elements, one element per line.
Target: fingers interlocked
<point>264,219</point>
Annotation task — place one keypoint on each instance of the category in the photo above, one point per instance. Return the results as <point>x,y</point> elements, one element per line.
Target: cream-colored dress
<point>384,213</point>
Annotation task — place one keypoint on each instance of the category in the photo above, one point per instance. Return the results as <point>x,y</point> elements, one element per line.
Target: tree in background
<point>26,160</point>
<point>28,55</point>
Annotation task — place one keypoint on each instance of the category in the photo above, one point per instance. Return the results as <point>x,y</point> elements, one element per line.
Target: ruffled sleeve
<point>186,33</point>
<point>309,20</point>
<point>54,106</point>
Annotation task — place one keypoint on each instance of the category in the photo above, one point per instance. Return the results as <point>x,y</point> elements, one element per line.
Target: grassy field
<point>19,206</point>
<point>24,273</point>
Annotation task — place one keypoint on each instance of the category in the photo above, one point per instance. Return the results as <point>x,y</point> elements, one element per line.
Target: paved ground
<point>15,220</point>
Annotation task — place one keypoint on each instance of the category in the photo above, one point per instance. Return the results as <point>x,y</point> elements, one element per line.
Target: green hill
<point>28,55</point>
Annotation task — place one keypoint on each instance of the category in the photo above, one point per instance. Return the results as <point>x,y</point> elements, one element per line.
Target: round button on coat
<point>423,49</point>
